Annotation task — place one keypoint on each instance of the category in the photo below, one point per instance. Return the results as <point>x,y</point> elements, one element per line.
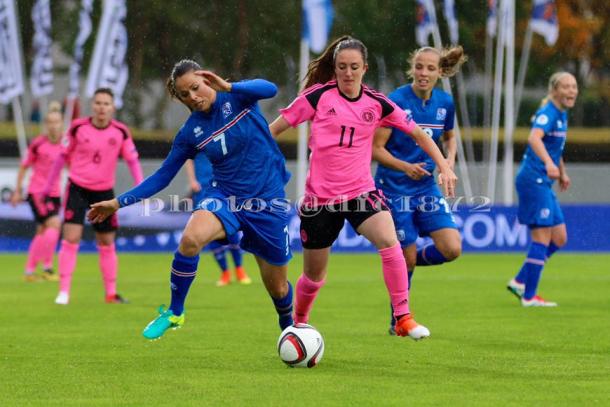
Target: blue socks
<point>221,258</point>
<point>184,269</point>
<point>551,249</point>
<point>235,249</point>
<point>283,307</point>
<point>534,263</point>
<point>429,256</point>
<point>522,275</point>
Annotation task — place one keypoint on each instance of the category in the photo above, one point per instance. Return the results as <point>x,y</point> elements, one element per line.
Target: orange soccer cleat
<point>406,326</point>
<point>241,275</point>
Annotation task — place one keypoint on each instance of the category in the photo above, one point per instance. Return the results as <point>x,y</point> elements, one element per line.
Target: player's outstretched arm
<point>100,211</point>
<point>380,154</point>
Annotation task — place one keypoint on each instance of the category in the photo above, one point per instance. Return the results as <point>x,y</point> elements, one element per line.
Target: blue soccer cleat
<point>166,320</point>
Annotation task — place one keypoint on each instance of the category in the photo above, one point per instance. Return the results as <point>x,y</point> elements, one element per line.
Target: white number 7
<point>221,137</point>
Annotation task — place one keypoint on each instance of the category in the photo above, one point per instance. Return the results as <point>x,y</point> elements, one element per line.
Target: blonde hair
<point>54,107</point>
<point>553,83</point>
<point>450,60</point>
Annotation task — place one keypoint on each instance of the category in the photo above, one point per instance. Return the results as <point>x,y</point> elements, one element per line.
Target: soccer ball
<point>300,345</point>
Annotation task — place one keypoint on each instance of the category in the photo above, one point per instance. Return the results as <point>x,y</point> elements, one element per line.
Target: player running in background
<point>344,115</point>
<point>539,208</point>
<point>199,173</point>
<point>92,148</point>
<point>41,154</point>
<point>405,170</point>
<point>248,190</point>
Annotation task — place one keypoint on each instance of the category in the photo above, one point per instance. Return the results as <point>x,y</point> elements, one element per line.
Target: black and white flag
<point>84,30</point>
<point>11,69</point>
<point>109,66</point>
<point>41,76</point>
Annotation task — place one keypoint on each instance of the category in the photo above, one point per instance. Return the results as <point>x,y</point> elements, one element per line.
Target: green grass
<point>484,350</point>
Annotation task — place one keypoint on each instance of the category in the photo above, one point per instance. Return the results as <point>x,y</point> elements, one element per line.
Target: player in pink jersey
<point>41,154</point>
<point>344,114</point>
<point>92,148</point>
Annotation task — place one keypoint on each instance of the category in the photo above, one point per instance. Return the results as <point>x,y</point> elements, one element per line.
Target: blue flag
<point>492,18</point>
<point>544,20</point>
<point>424,26</point>
<point>450,17</point>
<point>317,20</point>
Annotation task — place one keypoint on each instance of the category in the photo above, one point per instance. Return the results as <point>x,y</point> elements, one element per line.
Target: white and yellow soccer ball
<point>300,345</point>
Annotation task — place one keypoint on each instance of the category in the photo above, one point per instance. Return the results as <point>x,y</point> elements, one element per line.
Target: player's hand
<point>100,211</point>
<point>552,171</point>
<point>214,81</point>
<point>16,198</point>
<point>416,171</point>
<point>564,182</point>
<point>195,186</point>
<point>447,179</point>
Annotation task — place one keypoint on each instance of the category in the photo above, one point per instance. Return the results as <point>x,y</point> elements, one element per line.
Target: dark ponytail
<point>322,69</point>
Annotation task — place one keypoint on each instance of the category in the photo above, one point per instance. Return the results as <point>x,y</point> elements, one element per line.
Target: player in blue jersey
<point>539,209</point>
<point>199,173</point>
<point>247,192</point>
<point>405,170</point>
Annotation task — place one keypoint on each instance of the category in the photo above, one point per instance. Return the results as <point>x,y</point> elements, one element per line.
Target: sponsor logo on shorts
<point>544,213</point>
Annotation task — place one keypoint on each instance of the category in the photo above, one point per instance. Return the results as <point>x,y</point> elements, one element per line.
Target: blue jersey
<point>234,136</point>
<point>435,116</point>
<point>203,170</point>
<point>554,123</point>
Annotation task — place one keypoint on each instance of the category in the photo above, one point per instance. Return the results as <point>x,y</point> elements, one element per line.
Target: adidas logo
<point>331,112</point>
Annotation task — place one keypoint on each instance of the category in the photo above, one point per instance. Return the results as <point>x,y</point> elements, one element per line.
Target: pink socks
<point>108,265</point>
<point>67,262</point>
<point>34,253</point>
<point>396,279</point>
<point>51,236</point>
<point>306,292</point>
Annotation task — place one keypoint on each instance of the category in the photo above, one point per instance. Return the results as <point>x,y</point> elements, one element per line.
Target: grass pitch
<point>484,350</point>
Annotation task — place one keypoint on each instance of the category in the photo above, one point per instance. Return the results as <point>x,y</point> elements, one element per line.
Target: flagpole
<point>489,55</point>
<point>523,62</point>
<point>18,117</point>
<point>497,96</point>
<point>509,116</point>
<point>438,43</point>
<point>302,128</point>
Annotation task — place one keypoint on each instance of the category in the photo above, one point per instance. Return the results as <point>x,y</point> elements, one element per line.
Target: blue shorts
<point>231,240</point>
<point>264,225</point>
<point>419,215</point>
<point>538,204</point>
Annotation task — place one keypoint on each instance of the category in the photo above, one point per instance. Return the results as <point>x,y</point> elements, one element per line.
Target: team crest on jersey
<point>441,113</point>
<point>112,141</point>
<point>559,123</point>
<point>368,116</point>
<point>409,114</point>
<point>198,131</point>
<point>542,119</point>
<point>227,110</point>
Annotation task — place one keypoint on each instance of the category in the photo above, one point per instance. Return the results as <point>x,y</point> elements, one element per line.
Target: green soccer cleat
<point>166,320</point>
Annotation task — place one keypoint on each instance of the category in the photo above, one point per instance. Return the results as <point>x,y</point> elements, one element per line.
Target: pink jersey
<point>341,138</point>
<point>92,153</point>
<point>40,156</point>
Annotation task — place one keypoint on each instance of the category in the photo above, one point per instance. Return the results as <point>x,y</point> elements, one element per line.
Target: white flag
<point>108,67</point>
<point>11,71</point>
<point>424,25</point>
<point>318,18</point>
<point>84,30</point>
<point>41,76</point>
<point>544,20</point>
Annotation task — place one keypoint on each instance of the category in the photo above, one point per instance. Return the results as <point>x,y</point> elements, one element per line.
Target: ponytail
<point>450,60</point>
